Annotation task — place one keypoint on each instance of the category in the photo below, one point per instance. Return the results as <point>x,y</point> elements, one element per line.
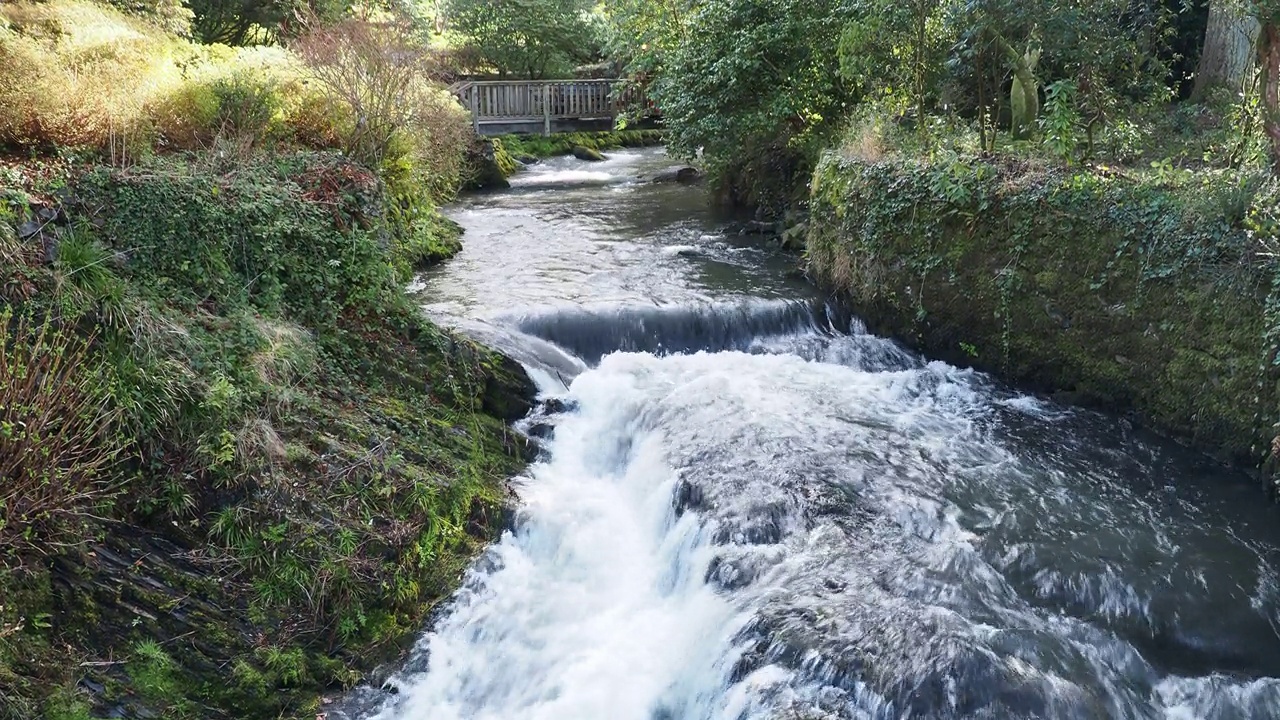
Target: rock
<point>757,227</point>
<point>509,393</point>
<point>29,229</point>
<point>527,159</point>
<point>542,430</point>
<point>793,238</point>
<point>683,175</point>
<point>487,171</point>
<point>586,153</point>
<point>555,406</point>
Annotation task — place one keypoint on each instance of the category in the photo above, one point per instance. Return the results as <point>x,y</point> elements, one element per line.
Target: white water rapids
<point>753,511</point>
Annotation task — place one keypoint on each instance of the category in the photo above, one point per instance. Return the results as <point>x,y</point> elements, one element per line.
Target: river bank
<point>268,466</point>
<point>1123,292</point>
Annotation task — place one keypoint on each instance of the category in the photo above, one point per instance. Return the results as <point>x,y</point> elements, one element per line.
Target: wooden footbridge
<point>550,106</point>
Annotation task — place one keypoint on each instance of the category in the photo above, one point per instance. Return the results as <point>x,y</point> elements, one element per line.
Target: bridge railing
<point>545,100</point>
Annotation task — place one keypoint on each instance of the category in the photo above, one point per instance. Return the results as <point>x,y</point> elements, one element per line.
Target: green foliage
<point>247,105</point>
<point>238,22</point>
<point>894,52</point>
<point>807,66</point>
<point>199,251</point>
<point>1059,125</point>
<point>752,85</point>
<point>280,404</point>
<point>525,38</point>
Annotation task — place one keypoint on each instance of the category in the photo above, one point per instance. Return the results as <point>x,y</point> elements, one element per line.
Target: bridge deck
<point>546,106</point>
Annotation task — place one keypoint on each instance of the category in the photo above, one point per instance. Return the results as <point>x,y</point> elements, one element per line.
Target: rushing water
<point>749,508</point>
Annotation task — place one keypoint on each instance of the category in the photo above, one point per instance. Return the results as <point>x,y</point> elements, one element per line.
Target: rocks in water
<point>527,159</point>
<point>793,238</point>
<point>757,227</point>
<point>683,175</point>
<point>555,406</point>
<point>487,171</point>
<point>509,393</point>
<point>586,153</point>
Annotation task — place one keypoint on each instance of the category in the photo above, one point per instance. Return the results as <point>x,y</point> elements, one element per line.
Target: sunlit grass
<point>78,75</point>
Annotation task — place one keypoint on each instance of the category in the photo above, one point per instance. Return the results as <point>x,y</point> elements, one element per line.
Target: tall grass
<point>56,436</point>
<point>79,75</point>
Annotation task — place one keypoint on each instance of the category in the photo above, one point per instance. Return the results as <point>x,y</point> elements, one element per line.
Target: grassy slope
<point>306,464</point>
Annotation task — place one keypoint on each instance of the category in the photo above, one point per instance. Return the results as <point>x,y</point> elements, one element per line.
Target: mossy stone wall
<point>1117,292</point>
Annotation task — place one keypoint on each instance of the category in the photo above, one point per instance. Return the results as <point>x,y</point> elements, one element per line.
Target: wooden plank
<point>475,110</point>
<point>546,110</point>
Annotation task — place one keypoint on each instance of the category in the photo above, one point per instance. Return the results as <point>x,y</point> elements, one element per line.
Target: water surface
<point>754,509</point>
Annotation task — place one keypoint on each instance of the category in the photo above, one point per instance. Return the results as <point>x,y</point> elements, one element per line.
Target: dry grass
<point>865,142</point>
<point>82,75</point>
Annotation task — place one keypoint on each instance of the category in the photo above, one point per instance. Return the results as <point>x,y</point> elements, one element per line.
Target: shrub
<point>76,74</point>
<point>80,75</point>
<point>312,118</point>
<point>407,125</point>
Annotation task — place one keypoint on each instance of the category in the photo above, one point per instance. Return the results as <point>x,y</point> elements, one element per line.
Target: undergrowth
<point>261,443</point>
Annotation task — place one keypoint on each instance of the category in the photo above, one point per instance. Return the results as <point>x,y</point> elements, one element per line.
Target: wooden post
<point>475,110</point>
<point>546,110</point>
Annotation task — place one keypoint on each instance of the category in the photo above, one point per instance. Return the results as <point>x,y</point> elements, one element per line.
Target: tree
<point>528,38</point>
<point>172,15</point>
<point>231,22</point>
<point>894,51</point>
<point>1268,14</point>
<point>243,22</point>
<point>752,84</point>
<point>1227,54</point>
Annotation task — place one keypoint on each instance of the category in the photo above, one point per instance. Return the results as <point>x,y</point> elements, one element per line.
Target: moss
<point>537,146</point>
<point>431,239</point>
<point>1123,293</point>
<point>504,160</point>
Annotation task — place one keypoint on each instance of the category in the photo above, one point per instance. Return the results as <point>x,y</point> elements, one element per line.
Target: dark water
<point>754,509</point>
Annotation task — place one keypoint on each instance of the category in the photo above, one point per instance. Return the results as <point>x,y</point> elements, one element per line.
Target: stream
<point>748,507</point>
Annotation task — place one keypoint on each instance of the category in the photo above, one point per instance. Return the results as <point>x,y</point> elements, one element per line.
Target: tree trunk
<point>1227,53</point>
<point>1269,59</point>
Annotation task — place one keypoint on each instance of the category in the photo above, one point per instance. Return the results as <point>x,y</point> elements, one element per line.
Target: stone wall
<point>1106,290</point>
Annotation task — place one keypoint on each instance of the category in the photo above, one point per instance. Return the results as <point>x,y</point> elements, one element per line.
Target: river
<point>748,507</point>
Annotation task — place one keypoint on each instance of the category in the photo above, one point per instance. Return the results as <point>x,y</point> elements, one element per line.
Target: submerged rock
<point>586,153</point>
<point>683,175</point>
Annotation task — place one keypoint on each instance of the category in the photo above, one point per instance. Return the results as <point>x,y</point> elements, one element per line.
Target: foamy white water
<point>597,605</point>
<point>750,513</point>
